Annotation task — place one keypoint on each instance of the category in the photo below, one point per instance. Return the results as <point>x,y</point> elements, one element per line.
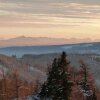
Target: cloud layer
<point>81,15</point>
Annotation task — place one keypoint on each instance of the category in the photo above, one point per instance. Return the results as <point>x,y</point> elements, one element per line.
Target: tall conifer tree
<point>58,84</point>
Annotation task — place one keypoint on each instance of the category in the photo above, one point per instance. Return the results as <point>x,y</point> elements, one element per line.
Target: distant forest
<point>64,82</point>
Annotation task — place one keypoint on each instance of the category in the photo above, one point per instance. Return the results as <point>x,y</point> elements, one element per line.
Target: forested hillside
<point>66,83</point>
<point>26,79</point>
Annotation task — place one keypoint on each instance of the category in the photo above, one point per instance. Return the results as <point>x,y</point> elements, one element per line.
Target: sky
<point>50,18</point>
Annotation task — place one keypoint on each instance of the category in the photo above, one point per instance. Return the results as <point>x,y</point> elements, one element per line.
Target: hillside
<point>34,67</point>
<point>81,48</point>
<point>79,92</point>
<point>44,60</point>
<point>31,67</point>
<point>25,71</point>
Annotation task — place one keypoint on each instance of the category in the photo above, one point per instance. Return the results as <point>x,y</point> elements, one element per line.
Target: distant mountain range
<point>80,48</point>
<point>38,41</point>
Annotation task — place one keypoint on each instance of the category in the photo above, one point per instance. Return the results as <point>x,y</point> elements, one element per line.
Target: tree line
<point>64,82</point>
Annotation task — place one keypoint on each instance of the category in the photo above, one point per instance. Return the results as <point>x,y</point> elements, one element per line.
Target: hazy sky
<point>50,18</point>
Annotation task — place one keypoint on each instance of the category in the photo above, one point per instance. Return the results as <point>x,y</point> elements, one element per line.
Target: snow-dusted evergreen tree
<point>58,84</point>
<point>85,74</point>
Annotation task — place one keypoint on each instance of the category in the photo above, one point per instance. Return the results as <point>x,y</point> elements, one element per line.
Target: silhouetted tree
<point>94,96</point>
<point>4,85</point>
<point>85,74</point>
<point>17,84</point>
<point>58,84</point>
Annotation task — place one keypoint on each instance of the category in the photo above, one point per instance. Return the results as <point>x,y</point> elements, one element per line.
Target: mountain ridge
<point>40,41</point>
<point>81,48</point>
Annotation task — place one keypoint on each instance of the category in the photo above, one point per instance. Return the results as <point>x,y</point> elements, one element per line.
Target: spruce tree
<point>85,74</point>
<point>58,84</point>
<point>94,97</point>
